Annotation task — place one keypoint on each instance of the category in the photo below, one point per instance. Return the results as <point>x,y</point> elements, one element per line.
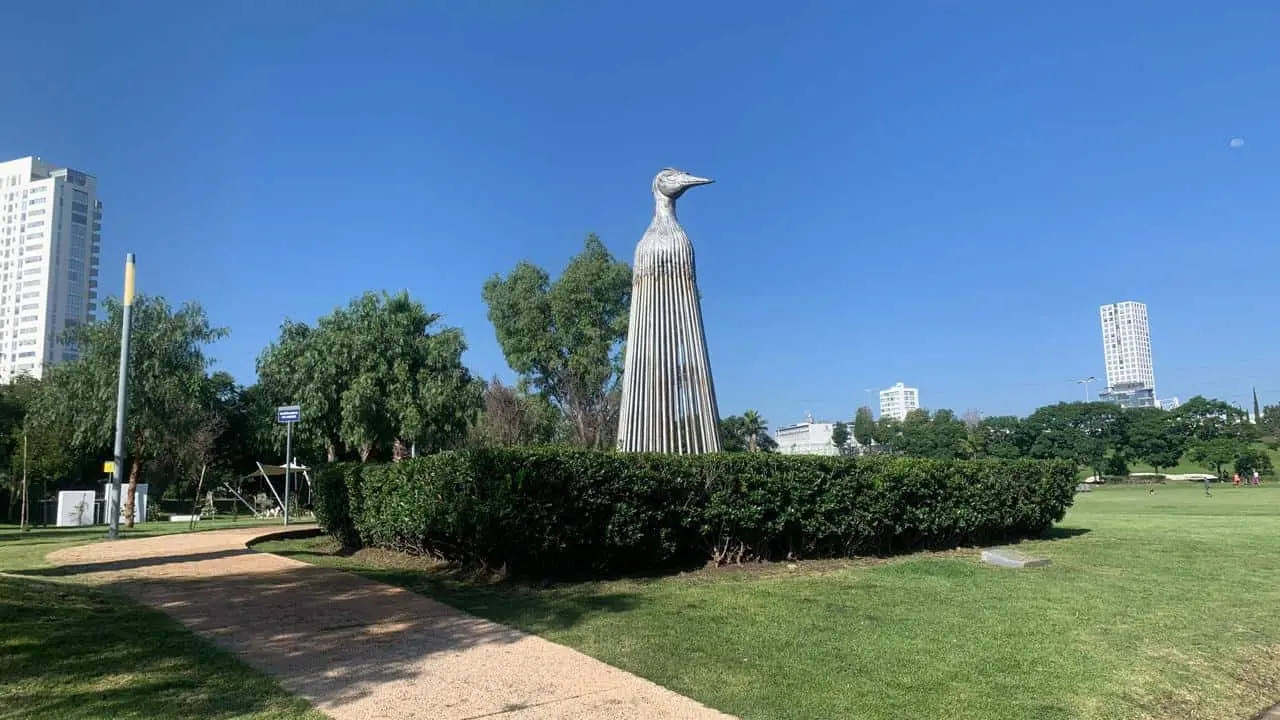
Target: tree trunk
<point>331,449</point>
<point>135,469</point>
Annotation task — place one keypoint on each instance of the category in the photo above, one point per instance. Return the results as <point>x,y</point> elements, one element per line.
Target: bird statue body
<point>668,396</point>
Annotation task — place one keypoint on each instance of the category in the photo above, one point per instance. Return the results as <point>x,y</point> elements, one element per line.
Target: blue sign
<point>289,414</point>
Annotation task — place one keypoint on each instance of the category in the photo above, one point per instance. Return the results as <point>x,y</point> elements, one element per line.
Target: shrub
<point>558,512</point>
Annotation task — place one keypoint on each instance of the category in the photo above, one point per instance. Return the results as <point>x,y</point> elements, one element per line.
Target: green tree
<point>1257,410</point>
<point>1083,432</point>
<point>1216,453</point>
<point>753,426</point>
<point>940,436</point>
<point>167,380</point>
<point>1201,419</point>
<point>998,437</point>
<point>864,427</point>
<point>840,437</point>
<point>1253,458</point>
<point>735,433</point>
<point>565,338</point>
<point>377,374</point>
<point>1269,423</point>
<point>886,433</point>
<point>1155,438</point>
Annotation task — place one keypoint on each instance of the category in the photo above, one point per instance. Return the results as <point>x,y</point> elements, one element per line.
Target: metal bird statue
<point>668,397</point>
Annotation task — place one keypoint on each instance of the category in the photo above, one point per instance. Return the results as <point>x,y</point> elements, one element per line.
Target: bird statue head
<point>672,183</point>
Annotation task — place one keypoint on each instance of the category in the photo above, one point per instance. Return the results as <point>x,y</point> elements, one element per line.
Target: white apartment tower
<point>50,236</point>
<point>897,401</point>
<point>1126,348</point>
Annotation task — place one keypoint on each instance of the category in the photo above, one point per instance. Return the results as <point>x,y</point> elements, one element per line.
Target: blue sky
<point>934,192</point>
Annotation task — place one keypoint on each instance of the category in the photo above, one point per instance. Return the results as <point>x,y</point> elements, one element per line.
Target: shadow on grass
<point>131,563</point>
<point>1061,533</point>
<point>68,651</point>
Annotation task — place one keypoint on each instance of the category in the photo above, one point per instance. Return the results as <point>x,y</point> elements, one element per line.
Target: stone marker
<point>1008,557</point>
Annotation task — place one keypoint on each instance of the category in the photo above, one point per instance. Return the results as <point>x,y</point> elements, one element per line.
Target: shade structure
<point>668,395</point>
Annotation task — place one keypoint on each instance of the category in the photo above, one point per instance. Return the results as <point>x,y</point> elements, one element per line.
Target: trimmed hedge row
<point>557,512</point>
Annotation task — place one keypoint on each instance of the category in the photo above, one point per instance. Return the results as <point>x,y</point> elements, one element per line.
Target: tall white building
<point>897,401</point>
<point>50,237</point>
<point>1126,346</point>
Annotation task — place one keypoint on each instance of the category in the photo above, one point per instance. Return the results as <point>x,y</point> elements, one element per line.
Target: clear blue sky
<point>935,192</point>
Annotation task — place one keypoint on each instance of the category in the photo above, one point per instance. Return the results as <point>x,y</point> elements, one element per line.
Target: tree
<point>512,417</point>
<point>1257,411</point>
<point>1269,423</point>
<point>378,373</point>
<point>940,436</point>
<point>734,432</point>
<point>1251,459</point>
<point>565,338</point>
<point>167,376</point>
<point>1202,419</point>
<point>998,437</point>
<point>1216,453</point>
<point>840,437</point>
<point>753,426</point>
<point>1154,438</point>
<point>864,427</point>
<point>1082,432</point>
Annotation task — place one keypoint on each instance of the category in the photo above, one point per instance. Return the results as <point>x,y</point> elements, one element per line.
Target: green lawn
<point>69,651</point>
<point>1163,605</point>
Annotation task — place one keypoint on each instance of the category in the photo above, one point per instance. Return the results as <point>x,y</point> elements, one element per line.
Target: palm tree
<point>752,426</point>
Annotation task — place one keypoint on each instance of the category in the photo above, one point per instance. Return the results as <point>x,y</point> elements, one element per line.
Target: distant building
<point>809,438</point>
<point>51,231</point>
<point>1126,348</point>
<point>1172,403</point>
<point>897,401</point>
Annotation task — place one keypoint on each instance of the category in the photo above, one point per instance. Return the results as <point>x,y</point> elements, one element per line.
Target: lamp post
<point>122,400</point>
<point>1085,382</point>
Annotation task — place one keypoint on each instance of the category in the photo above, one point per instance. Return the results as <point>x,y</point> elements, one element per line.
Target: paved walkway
<point>360,649</point>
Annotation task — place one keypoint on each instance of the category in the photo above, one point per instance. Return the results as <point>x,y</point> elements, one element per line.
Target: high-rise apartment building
<point>897,401</point>
<point>50,238</point>
<point>1126,345</point>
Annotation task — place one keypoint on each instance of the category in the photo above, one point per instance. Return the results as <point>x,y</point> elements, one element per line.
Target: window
<point>78,218</point>
<point>35,224</point>
<point>79,207</point>
<point>36,212</point>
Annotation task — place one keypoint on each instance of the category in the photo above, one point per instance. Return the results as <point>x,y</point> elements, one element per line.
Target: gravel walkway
<point>360,649</point>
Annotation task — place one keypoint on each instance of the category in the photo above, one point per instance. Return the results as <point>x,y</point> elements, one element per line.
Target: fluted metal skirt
<point>668,396</point>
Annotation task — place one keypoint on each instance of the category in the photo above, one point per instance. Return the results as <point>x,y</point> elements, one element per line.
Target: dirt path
<point>360,649</point>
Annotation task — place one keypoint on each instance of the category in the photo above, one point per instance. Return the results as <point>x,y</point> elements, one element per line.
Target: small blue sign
<point>289,414</point>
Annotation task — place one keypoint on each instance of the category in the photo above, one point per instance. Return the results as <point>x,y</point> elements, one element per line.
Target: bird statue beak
<point>688,181</point>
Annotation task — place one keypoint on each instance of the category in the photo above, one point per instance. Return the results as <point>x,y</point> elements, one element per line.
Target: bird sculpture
<point>668,397</point>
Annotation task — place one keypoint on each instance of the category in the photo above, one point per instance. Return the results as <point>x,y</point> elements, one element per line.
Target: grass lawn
<point>1162,605</point>
<point>69,651</point>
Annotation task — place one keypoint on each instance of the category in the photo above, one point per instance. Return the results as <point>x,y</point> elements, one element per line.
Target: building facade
<point>51,237</point>
<point>1126,348</point>
<point>897,401</point>
<point>808,438</point>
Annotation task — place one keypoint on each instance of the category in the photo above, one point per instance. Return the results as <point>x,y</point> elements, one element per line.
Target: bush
<point>557,512</point>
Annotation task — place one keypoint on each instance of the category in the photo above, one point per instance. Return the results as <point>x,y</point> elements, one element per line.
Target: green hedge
<point>556,512</point>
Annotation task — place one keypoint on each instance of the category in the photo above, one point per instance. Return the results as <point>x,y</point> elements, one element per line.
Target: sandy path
<point>360,649</point>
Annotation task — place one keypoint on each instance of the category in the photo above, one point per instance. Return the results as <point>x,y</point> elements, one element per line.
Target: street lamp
<point>1085,382</point>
